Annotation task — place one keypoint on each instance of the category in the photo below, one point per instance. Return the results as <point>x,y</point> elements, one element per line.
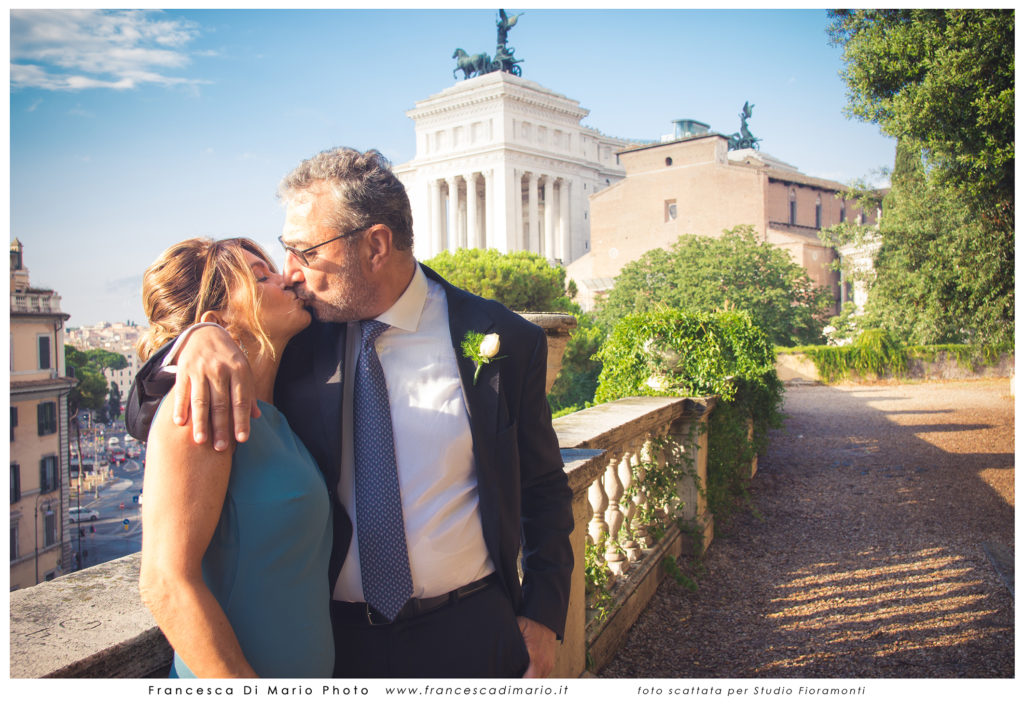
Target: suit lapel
<point>327,373</point>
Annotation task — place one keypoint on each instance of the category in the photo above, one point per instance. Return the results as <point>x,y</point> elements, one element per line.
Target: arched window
<point>817,212</point>
<point>792,206</point>
<point>668,161</point>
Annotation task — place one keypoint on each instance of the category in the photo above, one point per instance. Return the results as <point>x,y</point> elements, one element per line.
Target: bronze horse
<point>477,64</point>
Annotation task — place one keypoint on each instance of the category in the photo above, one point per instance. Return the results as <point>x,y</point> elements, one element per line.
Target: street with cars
<point>105,522</point>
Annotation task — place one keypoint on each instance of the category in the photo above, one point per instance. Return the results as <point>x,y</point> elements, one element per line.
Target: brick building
<point>696,185</point>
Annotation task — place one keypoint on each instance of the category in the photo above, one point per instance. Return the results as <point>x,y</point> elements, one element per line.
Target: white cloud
<point>75,50</point>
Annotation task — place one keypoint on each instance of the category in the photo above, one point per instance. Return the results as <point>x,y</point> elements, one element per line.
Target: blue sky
<point>133,130</point>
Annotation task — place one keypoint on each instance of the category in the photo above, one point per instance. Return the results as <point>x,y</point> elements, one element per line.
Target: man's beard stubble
<point>348,296</point>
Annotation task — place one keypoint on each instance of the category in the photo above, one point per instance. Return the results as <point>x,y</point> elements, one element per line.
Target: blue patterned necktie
<point>383,555</point>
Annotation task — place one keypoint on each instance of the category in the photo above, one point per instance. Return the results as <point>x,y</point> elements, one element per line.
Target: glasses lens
<point>291,250</point>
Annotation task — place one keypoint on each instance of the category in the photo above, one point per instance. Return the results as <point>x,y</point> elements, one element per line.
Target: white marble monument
<point>502,162</point>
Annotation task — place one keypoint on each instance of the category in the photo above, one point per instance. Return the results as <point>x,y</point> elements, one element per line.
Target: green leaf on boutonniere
<point>481,349</point>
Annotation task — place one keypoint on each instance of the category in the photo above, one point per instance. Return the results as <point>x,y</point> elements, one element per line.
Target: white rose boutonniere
<point>482,349</point>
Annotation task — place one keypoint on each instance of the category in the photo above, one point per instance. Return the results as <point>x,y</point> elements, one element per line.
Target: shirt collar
<point>406,312</point>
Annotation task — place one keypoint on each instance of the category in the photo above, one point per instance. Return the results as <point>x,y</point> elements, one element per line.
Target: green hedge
<point>875,352</point>
<point>683,353</point>
<point>523,281</point>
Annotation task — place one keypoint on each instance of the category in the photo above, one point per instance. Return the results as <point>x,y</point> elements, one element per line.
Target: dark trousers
<point>478,636</point>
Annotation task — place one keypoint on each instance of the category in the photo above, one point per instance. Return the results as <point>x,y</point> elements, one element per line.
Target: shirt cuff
<point>169,364</point>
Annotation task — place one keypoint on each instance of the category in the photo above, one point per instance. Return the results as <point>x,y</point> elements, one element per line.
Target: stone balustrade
<point>35,302</point>
<point>608,449</point>
<point>92,623</point>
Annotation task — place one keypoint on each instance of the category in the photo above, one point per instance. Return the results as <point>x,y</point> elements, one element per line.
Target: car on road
<point>83,514</point>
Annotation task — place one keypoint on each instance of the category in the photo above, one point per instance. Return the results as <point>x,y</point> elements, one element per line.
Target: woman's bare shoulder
<point>167,439</point>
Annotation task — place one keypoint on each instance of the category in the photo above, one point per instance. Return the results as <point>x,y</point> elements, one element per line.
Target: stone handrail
<point>92,623</point>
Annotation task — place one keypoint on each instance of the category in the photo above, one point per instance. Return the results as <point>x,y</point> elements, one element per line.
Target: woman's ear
<point>214,316</point>
<point>221,318</point>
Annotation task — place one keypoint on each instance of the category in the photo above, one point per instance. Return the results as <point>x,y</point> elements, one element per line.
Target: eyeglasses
<point>300,254</point>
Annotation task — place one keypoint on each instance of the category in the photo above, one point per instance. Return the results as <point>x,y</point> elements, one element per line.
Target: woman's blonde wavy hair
<point>196,276</point>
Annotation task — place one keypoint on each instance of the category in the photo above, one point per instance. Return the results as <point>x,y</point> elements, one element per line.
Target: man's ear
<point>379,239</point>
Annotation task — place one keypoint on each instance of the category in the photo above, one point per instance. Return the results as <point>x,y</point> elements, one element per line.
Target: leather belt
<point>361,613</point>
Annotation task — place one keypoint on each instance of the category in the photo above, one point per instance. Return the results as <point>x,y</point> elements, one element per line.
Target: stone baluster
<point>629,545</point>
<point>614,558</point>
<point>597,529</point>
<point>640,531</point>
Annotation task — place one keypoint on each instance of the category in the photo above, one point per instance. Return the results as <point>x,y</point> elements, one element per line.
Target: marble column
<point>487,234</point>
<point>472,216</point>
<point>453,213</point>
<point>550,236</point>
<point>516,237</point>
<point>437,217</point>
<point>564,222</point>
<point>533,242</point>
<point>580,232</point>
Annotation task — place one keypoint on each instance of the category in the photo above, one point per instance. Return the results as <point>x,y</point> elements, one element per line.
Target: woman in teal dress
<point>235,543</point>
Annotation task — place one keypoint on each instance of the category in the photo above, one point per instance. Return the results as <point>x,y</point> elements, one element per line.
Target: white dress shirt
<point>433,449</point>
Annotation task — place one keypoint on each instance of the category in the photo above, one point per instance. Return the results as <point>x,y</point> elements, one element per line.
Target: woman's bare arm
<point>184,486</point>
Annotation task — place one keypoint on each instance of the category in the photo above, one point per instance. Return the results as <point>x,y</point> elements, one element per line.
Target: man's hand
<point>215,381</point>
<point>540,643</point>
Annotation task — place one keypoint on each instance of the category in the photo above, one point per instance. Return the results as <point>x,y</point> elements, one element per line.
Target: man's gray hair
<point>365,189</point>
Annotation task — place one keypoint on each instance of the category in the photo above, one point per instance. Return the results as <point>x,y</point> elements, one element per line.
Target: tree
<point>105,359</point>
<point>942,83</point>
<point>576,382</point>
<point>91,391</point>
<point>942,79</point>
<point>88,365</point>
<point>523,281</point>
<point>733,272</point>
<point>114,401</point>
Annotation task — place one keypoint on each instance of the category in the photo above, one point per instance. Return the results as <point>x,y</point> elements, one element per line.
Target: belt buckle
<point>369,617</point>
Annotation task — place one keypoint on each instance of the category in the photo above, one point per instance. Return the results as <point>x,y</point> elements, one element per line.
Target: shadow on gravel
<point>869,553</point>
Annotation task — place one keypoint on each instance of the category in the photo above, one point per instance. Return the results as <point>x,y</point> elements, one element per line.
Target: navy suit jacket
<point>525,500</point>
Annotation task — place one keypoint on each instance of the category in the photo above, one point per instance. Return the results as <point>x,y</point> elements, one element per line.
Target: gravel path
<point>884,515</point>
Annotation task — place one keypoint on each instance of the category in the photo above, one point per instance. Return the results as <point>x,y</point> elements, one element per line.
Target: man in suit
<point>477,461</point>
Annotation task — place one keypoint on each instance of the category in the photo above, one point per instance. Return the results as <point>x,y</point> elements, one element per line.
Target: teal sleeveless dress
<point>267,561</point>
